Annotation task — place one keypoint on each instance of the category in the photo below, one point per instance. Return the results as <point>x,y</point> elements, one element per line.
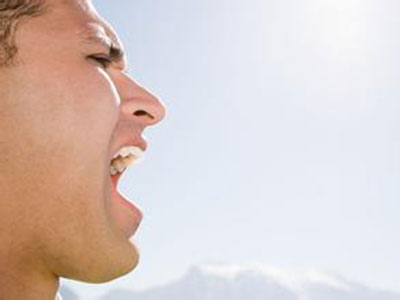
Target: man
<point>67,106</point>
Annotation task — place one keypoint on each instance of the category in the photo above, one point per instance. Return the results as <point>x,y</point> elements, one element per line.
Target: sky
<point>280,145</point>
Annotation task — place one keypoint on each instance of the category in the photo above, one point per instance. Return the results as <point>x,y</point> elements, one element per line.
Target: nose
<point>140,104</point>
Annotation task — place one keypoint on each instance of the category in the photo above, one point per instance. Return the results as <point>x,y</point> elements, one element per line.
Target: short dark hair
<point>11,14</point>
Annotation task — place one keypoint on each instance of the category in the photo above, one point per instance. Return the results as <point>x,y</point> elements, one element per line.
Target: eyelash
<point>105,62</point>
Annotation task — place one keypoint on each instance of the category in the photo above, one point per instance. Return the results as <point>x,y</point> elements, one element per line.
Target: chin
<point>106,269</point>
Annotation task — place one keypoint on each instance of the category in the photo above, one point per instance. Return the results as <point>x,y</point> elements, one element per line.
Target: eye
<point>104,61</point>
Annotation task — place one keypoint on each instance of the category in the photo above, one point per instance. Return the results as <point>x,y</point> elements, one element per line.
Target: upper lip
<point>140,143</point>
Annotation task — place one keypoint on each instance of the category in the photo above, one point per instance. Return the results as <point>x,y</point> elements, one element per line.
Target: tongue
<point>114,179</point>
<point>136,214</point>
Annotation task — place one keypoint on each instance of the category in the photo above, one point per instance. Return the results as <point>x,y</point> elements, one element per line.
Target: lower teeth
<point>114,170</point>
<point>120,164</point>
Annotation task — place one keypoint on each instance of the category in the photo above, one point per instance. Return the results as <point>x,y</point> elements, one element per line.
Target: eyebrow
<point>115,52</point>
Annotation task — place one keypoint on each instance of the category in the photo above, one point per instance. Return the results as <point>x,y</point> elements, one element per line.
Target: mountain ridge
<point>255,282</point>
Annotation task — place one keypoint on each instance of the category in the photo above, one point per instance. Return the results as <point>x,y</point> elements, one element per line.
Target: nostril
<point>140,113</point>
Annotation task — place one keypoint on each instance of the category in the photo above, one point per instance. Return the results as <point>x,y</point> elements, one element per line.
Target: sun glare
<point>339,28</point>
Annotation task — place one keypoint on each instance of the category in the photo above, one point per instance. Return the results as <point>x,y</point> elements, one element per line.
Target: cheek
<point>66,116</point>
<point>81,102</point>
<point>95,100</point>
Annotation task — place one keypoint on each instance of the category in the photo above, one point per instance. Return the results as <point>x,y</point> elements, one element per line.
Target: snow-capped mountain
<point>255,282</point>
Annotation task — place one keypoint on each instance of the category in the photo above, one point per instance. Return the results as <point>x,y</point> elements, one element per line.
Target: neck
<point>22,278</point>
<point>17,286</point>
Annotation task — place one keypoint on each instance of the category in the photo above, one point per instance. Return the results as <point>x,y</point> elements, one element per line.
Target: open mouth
<point>121,161</point>
<point>125,157</point>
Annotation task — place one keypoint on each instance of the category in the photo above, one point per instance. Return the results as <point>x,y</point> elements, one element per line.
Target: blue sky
<point>281,144</point>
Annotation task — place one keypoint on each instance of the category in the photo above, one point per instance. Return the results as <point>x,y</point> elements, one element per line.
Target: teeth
<point>119,165</point>
<point>113,170</point>
<point>124,157</point>
<point>125,151</point>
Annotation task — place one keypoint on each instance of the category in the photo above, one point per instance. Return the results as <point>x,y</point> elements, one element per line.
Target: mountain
<point>67,293</point>
<point>255,282</point>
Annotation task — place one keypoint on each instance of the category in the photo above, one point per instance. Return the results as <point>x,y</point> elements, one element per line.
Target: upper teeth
<point>124,157</point>
<point>125,151</point>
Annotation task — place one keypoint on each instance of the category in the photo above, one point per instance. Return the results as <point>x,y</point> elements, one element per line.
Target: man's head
<point>66,106</point>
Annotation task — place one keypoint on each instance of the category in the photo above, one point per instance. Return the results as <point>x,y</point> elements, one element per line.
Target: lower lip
<point>135,211</point>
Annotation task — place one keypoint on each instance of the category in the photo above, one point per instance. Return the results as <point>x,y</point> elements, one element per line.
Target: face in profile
<point>67,106</point>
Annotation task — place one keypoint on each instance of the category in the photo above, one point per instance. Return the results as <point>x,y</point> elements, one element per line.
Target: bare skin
<point>62,117</point>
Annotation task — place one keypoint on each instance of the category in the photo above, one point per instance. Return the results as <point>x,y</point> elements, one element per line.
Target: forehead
<point>80,19</point>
